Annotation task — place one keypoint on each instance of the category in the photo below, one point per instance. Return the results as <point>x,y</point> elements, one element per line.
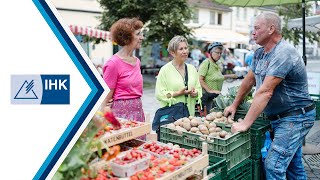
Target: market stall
<point>90,32</point>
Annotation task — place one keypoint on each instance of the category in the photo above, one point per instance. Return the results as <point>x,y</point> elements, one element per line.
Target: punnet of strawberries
<point>154,147</point>
<point>130,156</point>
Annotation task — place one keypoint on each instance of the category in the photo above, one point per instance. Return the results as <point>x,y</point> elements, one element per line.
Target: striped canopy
<point>91,32</point>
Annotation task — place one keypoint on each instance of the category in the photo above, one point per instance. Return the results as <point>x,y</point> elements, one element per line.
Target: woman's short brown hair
<point>122,30</point>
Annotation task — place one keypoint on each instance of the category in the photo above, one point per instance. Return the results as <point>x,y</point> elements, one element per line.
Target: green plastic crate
<point>242,114</point>
<point>217,169</point>
<point>257,169</point>
<point>221,145</point>
<point>258,130</point>
<point>169,135</point>
<point>233,149</point>
<point>236,155</point>
<point>316,100</point>
<point>242,171</point>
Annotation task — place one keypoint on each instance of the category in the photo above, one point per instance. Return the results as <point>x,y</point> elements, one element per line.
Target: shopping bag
<point>166,115</point>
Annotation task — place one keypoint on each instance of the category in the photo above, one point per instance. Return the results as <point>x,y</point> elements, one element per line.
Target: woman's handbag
<point>166,115</point>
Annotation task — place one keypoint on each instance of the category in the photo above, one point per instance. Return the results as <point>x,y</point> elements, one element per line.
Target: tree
<point>163,19</point>
<point>292,11</point>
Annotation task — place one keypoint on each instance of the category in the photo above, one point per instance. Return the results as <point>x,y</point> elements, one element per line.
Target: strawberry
<point>163,167</point>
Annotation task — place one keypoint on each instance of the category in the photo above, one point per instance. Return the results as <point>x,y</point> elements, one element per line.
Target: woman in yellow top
<point>210,76</point>
<point>170,85</point>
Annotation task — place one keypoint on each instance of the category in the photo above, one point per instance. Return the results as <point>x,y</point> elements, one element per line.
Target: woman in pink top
<point>122,72</point>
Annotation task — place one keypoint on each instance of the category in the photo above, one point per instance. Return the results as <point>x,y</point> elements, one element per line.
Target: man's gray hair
<point>271,18</point>
<point>174,43</point>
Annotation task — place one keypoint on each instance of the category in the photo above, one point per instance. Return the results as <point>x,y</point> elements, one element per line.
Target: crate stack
<point>257,131</point>
<point>229,157</point>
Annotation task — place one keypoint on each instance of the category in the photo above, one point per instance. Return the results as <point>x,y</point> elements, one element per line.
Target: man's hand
<point>230,111</point>
<point>240,126</point>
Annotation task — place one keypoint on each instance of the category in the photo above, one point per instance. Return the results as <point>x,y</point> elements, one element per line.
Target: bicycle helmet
<point>213,45</point>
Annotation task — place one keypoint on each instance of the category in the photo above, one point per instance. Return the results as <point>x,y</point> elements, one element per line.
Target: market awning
<point>219,35</point>
<point>312,23</point>
<point>91,32</point>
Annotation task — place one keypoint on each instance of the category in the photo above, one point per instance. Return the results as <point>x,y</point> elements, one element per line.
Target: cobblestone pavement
<point>150,105</point>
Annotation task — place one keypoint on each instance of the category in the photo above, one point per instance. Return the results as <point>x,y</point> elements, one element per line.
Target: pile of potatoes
<point>202,126</point>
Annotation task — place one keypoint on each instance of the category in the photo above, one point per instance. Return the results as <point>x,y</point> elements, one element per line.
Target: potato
<point>212,130</point>
<point>200,122</point>
<point>225,119</point>
<point>219,119</point>
<point>213,114</point>
<point>223,134</point>
<point>194,129</point>
<point>219,114</point>
<point>212,124</point>
<point>230,120</point>
<point>209,117</point>
<point>207,123</point>
<point>191,117</point>
<point>202,127</point>
<point>186,120</point>
<point>194,122</point>
<point>186,125</point>
<point>178,122</point>
<point>180,130</point>
<point>218,129</point>
<point>205,131</point>
<point>171,126</point>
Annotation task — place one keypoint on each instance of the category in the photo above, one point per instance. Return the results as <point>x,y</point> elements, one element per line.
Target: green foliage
<point>163,19</point>
<point>223,101</point>
<point>76,162</point>
<point>292,11</point>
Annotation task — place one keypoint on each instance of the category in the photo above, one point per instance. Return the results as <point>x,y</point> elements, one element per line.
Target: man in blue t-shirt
<point>280,77</point>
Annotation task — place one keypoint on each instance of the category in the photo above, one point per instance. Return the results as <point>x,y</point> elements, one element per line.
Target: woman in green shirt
<point>210,76</point>
<point>170,85</point>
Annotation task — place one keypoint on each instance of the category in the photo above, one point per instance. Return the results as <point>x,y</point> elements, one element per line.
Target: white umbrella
<point>312,23</point>
<point>258,3</point>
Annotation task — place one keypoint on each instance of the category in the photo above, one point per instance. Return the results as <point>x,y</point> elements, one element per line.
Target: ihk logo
<point>40,89</point>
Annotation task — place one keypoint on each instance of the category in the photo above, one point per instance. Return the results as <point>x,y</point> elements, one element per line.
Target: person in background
<point>122,72</point>
<point>210,75</point>
<point>249,57</point>
<point>170,86</point>
<point>282,93</point>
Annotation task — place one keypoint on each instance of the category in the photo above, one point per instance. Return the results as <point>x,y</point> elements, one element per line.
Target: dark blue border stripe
<point>88,75</point>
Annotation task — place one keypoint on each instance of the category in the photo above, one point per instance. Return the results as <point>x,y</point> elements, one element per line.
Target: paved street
<point>150,105</point>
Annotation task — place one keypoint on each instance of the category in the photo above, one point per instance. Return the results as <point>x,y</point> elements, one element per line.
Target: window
<point>238,13</point>
<point>212,17</point>
<point>195,18</point>
<point>245,13</point>
<point>219,18</point>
